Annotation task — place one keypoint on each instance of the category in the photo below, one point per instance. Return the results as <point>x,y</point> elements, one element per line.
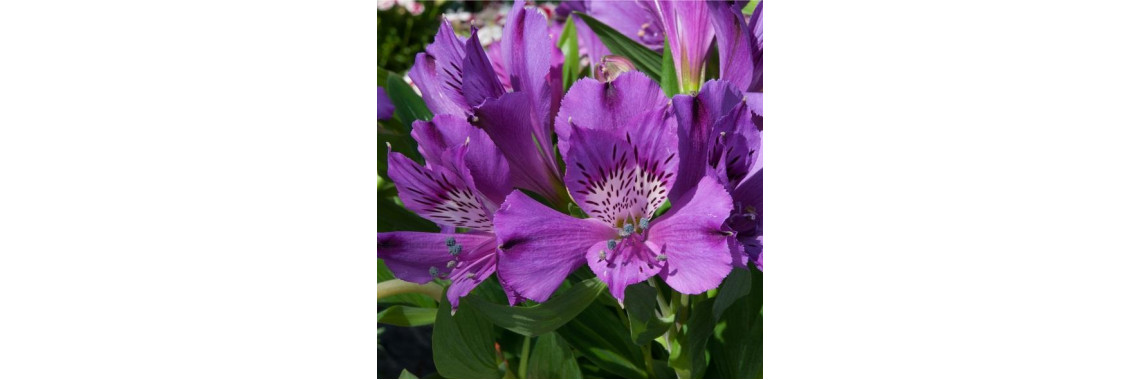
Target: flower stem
<point>525,357</point>
<point>396,286</point>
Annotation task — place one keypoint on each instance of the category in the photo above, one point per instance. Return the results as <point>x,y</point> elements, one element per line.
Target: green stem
<point>645,350</point>
<point>397,286</point>
<point>525,357</point>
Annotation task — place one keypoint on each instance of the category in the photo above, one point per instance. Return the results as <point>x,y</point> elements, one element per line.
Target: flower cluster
<point>666,186</point>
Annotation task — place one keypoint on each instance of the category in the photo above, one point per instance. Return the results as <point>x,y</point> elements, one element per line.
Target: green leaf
<point>393,217</point>
<point>463,344</point>
<point>641,307</point>
<point>404,374</point>
<point>601,338</point>
<point>568,42</point>
<point>552,359</point>
<point>736,285</point>
<point>646,60</point>
<point>409,106</point>
<point>698,329</point>
<point>407,316</point>
<point>668,72</point>
<point>545,317</point>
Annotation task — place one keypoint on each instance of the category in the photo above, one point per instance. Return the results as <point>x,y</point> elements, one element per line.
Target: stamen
<point>451,264</point>
<point>611,244</point>
<point>470,275</point>
<point>628,229</point>
<point>644,223</point>
<point>434,271</point>
<point>661,257</point>
<point>450,241</point>
<point>454,250</point>
<point>602,255</point>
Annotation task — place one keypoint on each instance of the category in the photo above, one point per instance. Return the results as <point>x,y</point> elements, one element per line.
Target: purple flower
<point>457,77</point>
<point>621,150</point>
<point>740,45</point>
<point>464,181</point>
<point>722,134</point>
<point>384,106</point>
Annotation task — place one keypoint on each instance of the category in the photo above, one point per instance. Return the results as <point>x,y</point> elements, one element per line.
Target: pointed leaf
<point>602,339</point>
<point>641,307</point>
<point>543,318</point>
<point>736,285</point>
<point>552,359</point>
<point>404,374</point>
<point>568,42</point>
<point>668,72</point>
<point>463,344</point>
<point>646,60</point>
<point>409,106</point>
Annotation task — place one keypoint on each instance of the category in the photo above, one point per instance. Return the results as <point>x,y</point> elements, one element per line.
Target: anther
<point>454,250</point>
<point>434,272</point>
<point>451,264</point>
<point>601,255</point>
<point>470,275</point>
<point>628,229</point>
<point>450,241</point>
<point>644,223</point>
<point>661,257</point>
<point>611,244</point>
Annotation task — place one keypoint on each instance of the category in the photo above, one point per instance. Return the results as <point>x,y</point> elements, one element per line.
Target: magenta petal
<point>629,263</point>
<point>735,44</point>
<point>479,79</point>
<point>526,50</point>
<point>687,26</point>
<point>632,18</point>
<point>695,119</point>
<point>471,269</point>
<point>610,181</point>
<point>755,102</point>
<point>691,238</point>
<point>384,106</point>
<point>612,106</point>
<point>511,122</point>
<point>411,255</point>
<point>438,194</point>
<point>438,73</point>
<point>489,169</point>
<point>541,246</point>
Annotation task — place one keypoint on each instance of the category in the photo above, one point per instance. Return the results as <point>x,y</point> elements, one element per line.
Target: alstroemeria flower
<point>634,19</point>
<point>740,45</point>
<point>464,181</point>
<point>384,106</point>
<point>456,77</point>
<point>722,137</point>
<point>620,143</point>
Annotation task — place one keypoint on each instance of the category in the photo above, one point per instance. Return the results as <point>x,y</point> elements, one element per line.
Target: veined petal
<point>411,255</point>
<point>755,102</point>
<point>632,18</point>
<point>526,49</point>
<point>541,246</point>
<point>695,118</point>
<point>384,106</point>
<point>690,237</point>
<point>438,194</point>
<point>735,44</point>
<point>510,122</point>
<point>438,73</point>
<point>756,23</point>
<point>479,79</point>
<point>611,106</point>
<point>630,262</point>
<point>736,149</point>
<point>611,180</point>
<point>488,166</point>
<point>690,34</point>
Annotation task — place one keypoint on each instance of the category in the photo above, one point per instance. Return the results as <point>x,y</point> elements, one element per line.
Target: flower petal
<point>611,106</point>
<point>438,73</point>
<point>438,194</point>
<point>632,18</point>
<point>510,122</point>
<point>695,118</point>
<point>479,79</point>
<point>687,26</point>
<point>489,169</point>
<point>526,50</point>
<point>631,262</point>
<point>541,246</point>
<point>384,106</point>
<point>690,237</point>
<point>611,180</point>
<point>411,255</point>
<point>736,45</point>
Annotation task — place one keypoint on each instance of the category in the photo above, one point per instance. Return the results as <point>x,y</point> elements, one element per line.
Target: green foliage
<point>407,375</point>
<point>568,42</point>
<point>418,300</point>
<point>543,318</point>
<point>406,316</point>
<point>463,344</point>
<point>669,72</point>
<point>400,35</point>
<point>552,359</point>
<point>646,60</point>
<point>602,339</point>
<point>409,106</point>
<point>641,306</point>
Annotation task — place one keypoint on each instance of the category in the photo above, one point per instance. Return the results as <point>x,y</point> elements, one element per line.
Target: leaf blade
<point>646,60</point>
